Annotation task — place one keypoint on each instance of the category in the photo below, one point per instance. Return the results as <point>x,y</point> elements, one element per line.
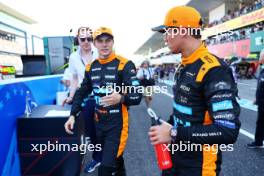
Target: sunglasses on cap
<point>89,39</point>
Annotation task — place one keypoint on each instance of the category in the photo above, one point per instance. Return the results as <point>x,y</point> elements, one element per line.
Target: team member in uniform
<point>205,110</point>
<point>104,77</point>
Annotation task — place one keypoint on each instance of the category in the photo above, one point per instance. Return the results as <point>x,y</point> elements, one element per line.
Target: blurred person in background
<point>167,72</point>
<point>146,76</point>
<point>157,72</point>
<point>259,133</point>
<point>78,61</point>
<point>171,72</point>
<point>162,72</point>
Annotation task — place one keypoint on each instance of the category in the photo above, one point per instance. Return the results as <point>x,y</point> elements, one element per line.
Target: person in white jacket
<point>84,55</point>
<point>79,60</point>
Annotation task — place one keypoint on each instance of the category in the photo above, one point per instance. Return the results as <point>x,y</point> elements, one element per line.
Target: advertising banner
<point>239,48</point>
<point>257,41</point>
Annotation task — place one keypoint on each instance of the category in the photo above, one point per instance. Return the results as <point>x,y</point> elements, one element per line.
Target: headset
<point>75,41</point>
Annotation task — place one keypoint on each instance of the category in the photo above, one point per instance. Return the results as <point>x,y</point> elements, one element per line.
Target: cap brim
<point>104,35</point>
<point>160,28</point>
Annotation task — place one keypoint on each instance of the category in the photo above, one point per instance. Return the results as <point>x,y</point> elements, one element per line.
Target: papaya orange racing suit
<point>111,122</point>
<point>205,111</point>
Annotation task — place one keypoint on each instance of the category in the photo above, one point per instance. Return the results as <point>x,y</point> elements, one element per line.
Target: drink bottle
<point>162,154</point>
<point>28,109</point>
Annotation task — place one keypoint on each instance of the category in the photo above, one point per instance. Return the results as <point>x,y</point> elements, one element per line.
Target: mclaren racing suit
<point>205,112</point>
<point>102,77</point>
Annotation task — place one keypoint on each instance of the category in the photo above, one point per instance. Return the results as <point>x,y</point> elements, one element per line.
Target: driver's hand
<point>68,100</point>
<point>110,100</point>
<point>69,125</point>
<point>160,134</point>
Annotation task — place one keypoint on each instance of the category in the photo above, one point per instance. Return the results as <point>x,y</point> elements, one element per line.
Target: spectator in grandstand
<point>229,15</point>
<point>236,35</point>
<point>259,133</point>
<point>258,26</point>
<point>250,7</point>
<point>242,34</point>
<point>257,4</point>
<point>247,32</point>
<point>236,13</point>
<point>244,9</point>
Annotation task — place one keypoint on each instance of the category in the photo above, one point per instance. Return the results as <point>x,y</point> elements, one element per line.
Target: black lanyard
<point>83,62</point>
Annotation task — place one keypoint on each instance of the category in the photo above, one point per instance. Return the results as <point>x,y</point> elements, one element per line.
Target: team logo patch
<point>111,68</point>
<point>190,74</point>
<point>135,83</point>
<point>222,85</point>
<point>110,76</point>
<point>114,111</point>
<point>95,77</point>
<point>222,105</point>
<point>226,123</point>
<point>96,69</point>
<point>182,109</point>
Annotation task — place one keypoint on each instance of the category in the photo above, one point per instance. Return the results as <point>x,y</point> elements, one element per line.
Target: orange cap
<point>181,16</point>
<point>102,30</point>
